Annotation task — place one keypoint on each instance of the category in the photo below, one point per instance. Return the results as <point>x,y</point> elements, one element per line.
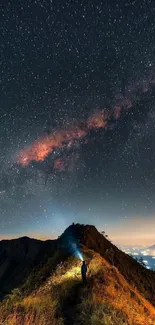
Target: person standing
<point>84,272</point>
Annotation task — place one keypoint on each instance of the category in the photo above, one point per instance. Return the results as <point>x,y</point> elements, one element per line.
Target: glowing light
<point>152,252</point>
<point>144,253</point>
<point>79,255</point>
<point>145,261</point>
<point>76,251</point>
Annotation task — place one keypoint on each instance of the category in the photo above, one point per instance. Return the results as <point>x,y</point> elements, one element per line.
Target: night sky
<point>77,118</point>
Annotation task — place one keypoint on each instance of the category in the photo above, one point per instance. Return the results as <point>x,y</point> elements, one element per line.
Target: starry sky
<point>77,112</point>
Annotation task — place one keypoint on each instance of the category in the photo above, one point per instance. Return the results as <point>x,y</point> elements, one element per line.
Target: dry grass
<point>40,310</point>
<point>107,300</point>
<point>111,300</point>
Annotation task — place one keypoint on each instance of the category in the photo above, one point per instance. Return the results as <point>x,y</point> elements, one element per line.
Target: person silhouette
<point>84,272</point>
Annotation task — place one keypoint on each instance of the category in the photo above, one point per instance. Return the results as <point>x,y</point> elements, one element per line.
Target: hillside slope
<point>137,275</point>
<point>62,299</point>
<point>119,290</point>
<point>17,259</point>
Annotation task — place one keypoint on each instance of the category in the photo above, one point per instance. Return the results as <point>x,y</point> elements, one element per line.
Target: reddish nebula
<point>38,151</point>
<point>127,103</point>
<point>98,119</point>
<point>117,112</point>
<point>42,147</point>
<point>64,163</point>
<point>59,164</point>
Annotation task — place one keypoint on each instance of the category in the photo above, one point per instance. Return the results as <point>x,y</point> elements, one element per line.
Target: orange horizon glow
<point>116,240</point>
<point>131,232</point>
<point>134,231</point>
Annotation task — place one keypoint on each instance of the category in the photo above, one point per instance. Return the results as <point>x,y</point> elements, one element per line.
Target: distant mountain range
<point>18,257</point>
<point>152,247</point>
<point>40,282</point>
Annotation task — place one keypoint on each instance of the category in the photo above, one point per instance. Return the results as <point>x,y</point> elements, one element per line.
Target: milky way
<point>73,133</point>
<point>77,113</point>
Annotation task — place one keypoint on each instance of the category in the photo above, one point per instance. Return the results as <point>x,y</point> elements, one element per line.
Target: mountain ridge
<point>52,282</point>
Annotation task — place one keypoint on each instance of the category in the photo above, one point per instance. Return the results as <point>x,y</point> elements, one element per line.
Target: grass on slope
<point>106,300</point>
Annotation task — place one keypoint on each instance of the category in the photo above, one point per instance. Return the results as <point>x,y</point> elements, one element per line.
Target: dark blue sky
<point>61,62</point>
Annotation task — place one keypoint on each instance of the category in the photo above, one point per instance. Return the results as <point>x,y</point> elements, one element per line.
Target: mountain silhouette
<point>18,257</point>
<point>152,247</point>
<point>40,282</point>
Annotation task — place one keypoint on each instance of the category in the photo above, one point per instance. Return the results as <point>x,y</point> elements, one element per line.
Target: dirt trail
<point>69,307</point>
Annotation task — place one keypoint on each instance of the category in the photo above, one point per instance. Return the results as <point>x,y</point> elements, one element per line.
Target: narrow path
<point>69,306</point>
